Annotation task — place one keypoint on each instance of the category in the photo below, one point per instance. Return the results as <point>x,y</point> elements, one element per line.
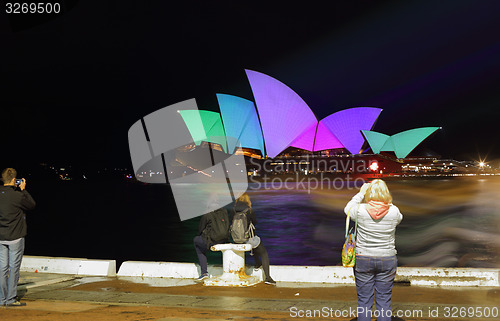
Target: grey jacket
<point>374,237</point>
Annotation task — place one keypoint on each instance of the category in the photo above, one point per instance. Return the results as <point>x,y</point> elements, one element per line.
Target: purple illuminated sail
<point>283,114</point>
<point>348,123</point>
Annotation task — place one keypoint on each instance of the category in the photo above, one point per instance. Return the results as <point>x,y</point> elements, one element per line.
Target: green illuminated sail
<point>406,141</point>
<point>401,143</point>
<point>375,140</point>
<point>204,125</point>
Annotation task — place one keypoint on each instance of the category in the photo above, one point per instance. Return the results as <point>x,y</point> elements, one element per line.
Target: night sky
<point>73,84</point>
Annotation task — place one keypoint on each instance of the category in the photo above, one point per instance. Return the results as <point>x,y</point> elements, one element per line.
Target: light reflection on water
<point>446,223</point>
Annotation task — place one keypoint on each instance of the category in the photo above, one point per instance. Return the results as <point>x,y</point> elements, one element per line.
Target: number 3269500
<point>33,7</point>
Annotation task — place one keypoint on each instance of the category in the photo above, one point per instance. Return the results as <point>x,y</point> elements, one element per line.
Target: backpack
<point>218,230</point>
<point>239,231</point>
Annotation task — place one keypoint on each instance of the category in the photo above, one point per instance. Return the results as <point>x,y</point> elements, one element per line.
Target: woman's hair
<point>378,191</point>
<point>244,198</point>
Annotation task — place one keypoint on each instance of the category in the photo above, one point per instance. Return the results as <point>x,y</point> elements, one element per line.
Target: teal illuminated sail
<point>241,122</point>
<point>401,143</point>
<point>406,141</point>
<point>204,125</point>
<point>375,140</point>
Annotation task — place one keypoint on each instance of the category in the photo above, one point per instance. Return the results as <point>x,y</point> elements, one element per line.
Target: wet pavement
<point>66,297</point>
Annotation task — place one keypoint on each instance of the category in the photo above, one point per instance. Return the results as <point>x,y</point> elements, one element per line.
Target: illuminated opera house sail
<point>280,119</point>
<point>401,144</point>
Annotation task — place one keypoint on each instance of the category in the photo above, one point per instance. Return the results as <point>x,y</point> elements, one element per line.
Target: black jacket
<point>13,203</point>
<point>206,221</point>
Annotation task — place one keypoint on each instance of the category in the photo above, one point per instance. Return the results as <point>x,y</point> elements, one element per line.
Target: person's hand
<point>22,186</point>
<point>364,188</point>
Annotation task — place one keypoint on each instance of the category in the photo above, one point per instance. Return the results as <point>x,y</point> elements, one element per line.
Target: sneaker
<point>270,281</point>
<point>202,277</point>
<point>16,304</point>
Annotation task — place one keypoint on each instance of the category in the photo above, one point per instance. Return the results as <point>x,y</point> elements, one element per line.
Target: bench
<point>233,263</point>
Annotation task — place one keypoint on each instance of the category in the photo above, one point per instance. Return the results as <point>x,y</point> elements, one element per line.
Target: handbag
<point>349,248</point>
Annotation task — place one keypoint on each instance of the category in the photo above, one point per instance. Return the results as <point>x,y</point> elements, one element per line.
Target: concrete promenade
<point>72,297</point>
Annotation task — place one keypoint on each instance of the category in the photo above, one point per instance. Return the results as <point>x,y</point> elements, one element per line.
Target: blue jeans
<point>10,264</point>
<point>375,277</point>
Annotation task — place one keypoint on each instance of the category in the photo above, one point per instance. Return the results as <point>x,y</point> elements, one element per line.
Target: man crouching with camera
<point>14,200</point>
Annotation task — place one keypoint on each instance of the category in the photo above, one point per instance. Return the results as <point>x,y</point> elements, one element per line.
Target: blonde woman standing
<point>376,260</point>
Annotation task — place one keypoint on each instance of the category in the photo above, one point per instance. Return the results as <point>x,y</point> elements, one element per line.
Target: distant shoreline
<point>332,177</point>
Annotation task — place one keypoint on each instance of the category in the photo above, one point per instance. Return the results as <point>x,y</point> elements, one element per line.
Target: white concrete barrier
<point>63,265</point>
<point>316,274</point>
<point>413,275</point>
<point>322,274</point>
<point>172,270</point>
<point>159,269</point>
<point>433,276</point>
<point>283,273</point>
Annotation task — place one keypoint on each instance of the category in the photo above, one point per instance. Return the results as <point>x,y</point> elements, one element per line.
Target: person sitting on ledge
<point>212,229</point>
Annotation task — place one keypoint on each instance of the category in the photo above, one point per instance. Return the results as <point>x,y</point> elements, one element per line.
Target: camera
<point>19,181</point>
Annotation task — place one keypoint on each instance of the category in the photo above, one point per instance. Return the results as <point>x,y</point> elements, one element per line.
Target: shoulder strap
<point>347,225</point>
<point>251,230</point>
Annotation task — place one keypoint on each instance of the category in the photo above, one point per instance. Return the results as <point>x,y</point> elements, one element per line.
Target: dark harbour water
<point>446,222</point>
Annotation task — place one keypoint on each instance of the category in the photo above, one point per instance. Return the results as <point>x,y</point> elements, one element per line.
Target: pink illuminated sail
<point>306,139</point>
<point>325,139</point>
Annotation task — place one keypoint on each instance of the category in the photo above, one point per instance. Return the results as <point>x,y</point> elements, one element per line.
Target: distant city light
<point>374,166</point>
<point>481,164</point>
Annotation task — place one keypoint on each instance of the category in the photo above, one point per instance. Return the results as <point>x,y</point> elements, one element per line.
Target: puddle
<point>311,285</point>
<point>89,279</point>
